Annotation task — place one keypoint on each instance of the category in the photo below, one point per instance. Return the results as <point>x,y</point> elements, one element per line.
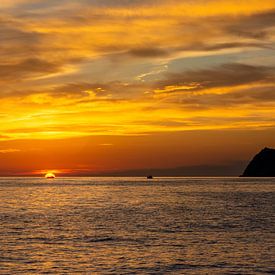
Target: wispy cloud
<point>9,150</point>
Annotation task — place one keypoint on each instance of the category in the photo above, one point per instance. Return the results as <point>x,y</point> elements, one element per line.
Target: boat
<point>150,177</point>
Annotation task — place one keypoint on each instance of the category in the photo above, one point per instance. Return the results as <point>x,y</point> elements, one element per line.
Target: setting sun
<point>50,176</point>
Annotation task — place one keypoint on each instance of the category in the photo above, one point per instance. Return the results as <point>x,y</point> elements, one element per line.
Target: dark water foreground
<point>136,226</point>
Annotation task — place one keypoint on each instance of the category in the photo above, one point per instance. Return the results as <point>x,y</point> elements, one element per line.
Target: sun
<point>50,176</point>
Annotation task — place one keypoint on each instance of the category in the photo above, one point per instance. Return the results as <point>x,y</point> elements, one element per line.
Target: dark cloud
<point>257,26</point>
<point>257,96</point>
<point>109,91</point>
<point>81,92</point>
<point>152,52</point>
<point>223,76</point>
<point>184,88</point>
<point>229,45</point>
<point>148,52</point>
<point>122,3</point>
<point>26,68</point>
<point>254,26</point>
<point>78,90</point>
<point>17,43</point>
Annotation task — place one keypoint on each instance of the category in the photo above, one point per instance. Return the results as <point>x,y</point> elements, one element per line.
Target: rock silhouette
<point>262,165</point>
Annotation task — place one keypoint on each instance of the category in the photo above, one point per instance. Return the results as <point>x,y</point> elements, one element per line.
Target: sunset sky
<point>98,86</point>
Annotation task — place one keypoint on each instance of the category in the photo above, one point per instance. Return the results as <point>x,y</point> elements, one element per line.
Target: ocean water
<point>137,226</point>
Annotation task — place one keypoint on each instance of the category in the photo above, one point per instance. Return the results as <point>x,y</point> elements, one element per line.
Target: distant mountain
<point>262,165</point>
<point>230,169</point>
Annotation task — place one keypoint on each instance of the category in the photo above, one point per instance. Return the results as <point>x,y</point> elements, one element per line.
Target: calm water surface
<point>136,226</point>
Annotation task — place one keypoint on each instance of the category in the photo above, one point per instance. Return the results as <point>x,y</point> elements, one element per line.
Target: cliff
<point>262,165</point>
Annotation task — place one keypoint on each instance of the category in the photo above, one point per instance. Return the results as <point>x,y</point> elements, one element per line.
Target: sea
<point>137,226</point>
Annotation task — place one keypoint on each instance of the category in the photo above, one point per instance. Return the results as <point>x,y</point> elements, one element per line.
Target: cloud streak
<point>10,150</point>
